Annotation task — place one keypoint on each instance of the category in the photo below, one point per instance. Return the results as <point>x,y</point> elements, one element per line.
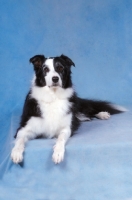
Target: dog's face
<point>52,72</point>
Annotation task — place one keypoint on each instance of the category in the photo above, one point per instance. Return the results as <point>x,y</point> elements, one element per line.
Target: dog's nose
<point>55,79</point>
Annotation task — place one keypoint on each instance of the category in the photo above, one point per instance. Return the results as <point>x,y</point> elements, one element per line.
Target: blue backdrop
<point>96,35</point>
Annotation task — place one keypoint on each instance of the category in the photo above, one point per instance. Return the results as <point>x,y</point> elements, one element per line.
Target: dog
<point>53,109</point>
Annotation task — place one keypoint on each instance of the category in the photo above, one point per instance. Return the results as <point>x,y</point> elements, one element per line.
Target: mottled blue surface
<point>97,36</point>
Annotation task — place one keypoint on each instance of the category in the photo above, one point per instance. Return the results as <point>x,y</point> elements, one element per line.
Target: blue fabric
<point>97,36</point>
<point>97,165</point>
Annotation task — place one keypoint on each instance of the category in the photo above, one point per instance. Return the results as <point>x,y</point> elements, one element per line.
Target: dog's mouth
<point>55,85</point>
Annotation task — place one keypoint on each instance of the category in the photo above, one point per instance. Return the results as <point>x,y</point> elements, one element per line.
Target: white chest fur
<point>54,107</point>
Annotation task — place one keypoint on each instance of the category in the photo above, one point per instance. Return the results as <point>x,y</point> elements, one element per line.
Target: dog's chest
<point>54,110</point>
<point>55,116</point>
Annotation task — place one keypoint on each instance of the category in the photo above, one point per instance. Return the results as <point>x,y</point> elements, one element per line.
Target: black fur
<point>84,106</point>
<point>91,107</point>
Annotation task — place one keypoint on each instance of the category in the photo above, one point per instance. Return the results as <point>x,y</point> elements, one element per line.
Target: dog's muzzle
<point>55,79</point>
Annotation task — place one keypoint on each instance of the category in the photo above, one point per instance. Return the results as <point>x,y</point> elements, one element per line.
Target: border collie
<point>53,109</point>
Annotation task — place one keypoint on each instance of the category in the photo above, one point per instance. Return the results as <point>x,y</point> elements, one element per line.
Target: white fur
<point>17,151</point>
<point>55,121</point>
<point>54,106</point>
<point>51,74</point>
<point>103,115</point>
<point>82,117</point>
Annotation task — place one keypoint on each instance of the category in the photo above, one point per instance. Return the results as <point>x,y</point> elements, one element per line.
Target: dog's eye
<point>59,69</point>
<point>46,69</point>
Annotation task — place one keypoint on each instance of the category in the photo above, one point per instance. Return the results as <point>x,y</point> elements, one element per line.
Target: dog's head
<point>52,72</point>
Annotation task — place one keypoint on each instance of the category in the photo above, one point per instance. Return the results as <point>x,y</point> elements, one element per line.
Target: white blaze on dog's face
<point>53,71</point>
<point>52,77</point>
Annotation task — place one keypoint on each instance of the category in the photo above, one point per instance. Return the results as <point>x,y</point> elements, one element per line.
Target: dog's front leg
<point>17,151</point>
<point>59,148</point>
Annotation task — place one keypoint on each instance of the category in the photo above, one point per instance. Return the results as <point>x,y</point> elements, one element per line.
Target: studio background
<point>96,35</point>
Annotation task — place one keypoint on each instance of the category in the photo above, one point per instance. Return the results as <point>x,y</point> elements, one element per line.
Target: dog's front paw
<point>58,154</point>
<point>17,155</point>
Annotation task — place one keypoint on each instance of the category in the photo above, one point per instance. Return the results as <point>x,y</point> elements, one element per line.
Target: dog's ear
<point>37,60</point>
<point>67,60</point>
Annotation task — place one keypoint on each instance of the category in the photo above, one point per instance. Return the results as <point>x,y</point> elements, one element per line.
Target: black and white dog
<point>52,108</point>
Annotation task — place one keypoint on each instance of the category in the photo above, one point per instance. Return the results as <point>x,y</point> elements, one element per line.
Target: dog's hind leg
<point>103,115</point>
<point>82,117</point>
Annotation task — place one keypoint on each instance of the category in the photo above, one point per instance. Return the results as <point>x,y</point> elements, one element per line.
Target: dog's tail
<point>90,108</point>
